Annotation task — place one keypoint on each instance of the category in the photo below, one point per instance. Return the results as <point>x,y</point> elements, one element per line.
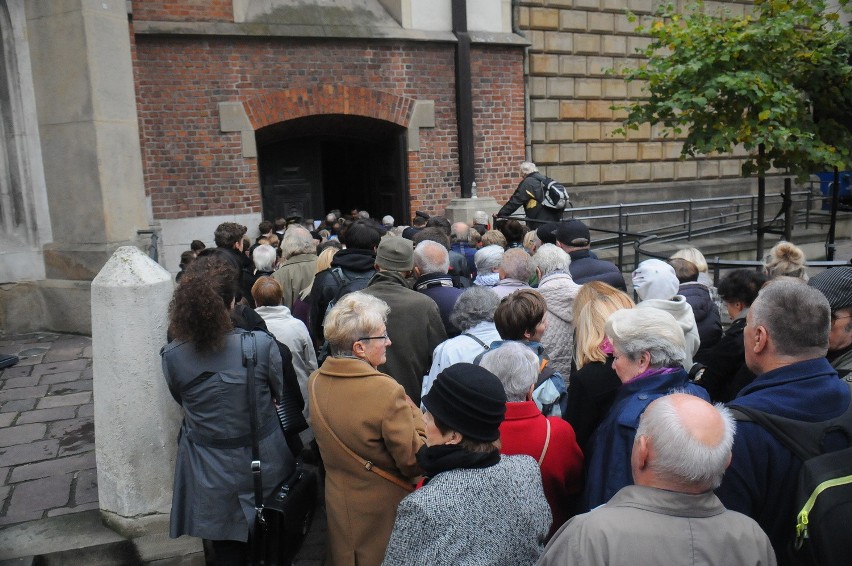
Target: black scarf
<point>445,457</point>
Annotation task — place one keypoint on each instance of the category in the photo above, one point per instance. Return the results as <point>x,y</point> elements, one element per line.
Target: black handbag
<point>281,524</point>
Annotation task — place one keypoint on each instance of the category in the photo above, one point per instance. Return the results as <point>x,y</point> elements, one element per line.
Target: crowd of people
<point>492,395</point>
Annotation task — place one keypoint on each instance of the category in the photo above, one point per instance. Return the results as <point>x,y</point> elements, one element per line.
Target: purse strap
<point>546,443</point>
<point>368,465</point>
<point>249,346</point>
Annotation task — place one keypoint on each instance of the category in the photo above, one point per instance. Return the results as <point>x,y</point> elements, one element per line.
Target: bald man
<point>670,516</point>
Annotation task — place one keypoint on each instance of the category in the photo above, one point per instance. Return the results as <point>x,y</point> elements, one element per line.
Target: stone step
<point>82,539</point>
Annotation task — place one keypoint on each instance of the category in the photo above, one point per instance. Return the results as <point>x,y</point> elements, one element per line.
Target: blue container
<point>825,182</point>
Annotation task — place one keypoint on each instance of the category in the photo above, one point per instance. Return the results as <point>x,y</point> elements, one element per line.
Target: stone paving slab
<point>46,428</point>
<point>48,482</point>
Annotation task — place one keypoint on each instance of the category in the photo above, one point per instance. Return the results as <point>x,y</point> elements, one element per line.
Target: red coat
<point>523,432</point>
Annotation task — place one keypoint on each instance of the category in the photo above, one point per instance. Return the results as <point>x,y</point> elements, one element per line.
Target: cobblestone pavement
<point>47,432</point>
<point>47,435</point>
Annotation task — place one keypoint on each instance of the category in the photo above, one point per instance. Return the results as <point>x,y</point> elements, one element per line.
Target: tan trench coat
<point>368,412</point>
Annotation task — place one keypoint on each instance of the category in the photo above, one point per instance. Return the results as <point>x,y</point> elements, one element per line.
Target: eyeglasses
<point>382,337</point>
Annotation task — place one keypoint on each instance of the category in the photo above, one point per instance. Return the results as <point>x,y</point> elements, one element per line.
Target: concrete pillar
<point>136,420</point>
<point>462,209</point>
<point>84,92</point>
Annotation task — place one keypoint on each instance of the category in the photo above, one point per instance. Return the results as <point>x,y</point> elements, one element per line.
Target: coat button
<point>643,396</point>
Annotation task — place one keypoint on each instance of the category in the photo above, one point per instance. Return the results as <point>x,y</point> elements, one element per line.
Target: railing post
<point>809,204</point>
<point>689,223</point>
<point>620,240</point>
<point>751,218</point>
<point>788,209</point>
<point>716,271</point>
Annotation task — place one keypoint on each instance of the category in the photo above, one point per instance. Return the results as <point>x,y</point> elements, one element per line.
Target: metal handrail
<point>716,263</point>
<point>695,219</point>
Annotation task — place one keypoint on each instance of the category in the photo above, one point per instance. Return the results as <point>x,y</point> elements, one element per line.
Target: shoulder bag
<point>369,466</point>
<point>280,524</point>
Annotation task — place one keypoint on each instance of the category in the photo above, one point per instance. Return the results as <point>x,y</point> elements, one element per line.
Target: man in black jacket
<point>529,195</point>
<point>351,270</point>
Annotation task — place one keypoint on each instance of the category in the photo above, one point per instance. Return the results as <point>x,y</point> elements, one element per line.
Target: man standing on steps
<point>529,195</point>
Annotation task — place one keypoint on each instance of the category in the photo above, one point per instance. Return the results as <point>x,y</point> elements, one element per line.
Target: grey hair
<point>550,258</point>
<point>474,305</point>
<point>634,331</point>
<point>431,257</point>
<point>487,258</point>
<point>517,264</point>
<point>528,167</point>
<point>264,257</point>
<point>480,217</point>
<point>388,221</point>
<point>796,316</point>
<point>297,241</point>
<point>679,456</point>
<point>515,365</point>
<point>355,314</point>
<point>363,215</point>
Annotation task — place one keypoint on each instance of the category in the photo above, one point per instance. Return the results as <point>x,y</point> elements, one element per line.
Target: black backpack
<point>554,195</point>
<point>824,495</point>
<point>345,284</point>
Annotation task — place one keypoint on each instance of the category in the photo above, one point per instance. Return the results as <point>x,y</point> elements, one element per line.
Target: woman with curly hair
<point>213,490</point>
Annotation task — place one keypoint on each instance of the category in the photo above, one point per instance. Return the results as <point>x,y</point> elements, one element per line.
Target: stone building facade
<point>127,119</point>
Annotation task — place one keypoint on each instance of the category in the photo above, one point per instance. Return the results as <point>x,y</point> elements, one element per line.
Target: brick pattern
<point>193,169</point>
<point>574,44</point>
<point>184,10</point>
<point>268,109</point>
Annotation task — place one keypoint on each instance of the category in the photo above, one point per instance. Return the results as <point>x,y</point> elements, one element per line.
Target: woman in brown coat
<point>360,414</point>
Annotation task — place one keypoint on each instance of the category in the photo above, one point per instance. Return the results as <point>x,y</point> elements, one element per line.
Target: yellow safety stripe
<point>802,523</point>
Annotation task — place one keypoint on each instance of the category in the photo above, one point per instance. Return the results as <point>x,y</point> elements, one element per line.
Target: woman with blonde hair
<point>301,306</point>
<point>593,386</point>
<point>362,416</point>
<point>786,258</point>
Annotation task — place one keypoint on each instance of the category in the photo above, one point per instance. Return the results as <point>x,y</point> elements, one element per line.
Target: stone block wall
<point>571,137</point>
<point>194,169</point>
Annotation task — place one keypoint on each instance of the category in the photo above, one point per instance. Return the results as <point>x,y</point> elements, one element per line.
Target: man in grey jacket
<point>670,516</point>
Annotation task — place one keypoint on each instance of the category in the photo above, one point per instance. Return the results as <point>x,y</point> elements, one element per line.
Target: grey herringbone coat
<point>494,516</point>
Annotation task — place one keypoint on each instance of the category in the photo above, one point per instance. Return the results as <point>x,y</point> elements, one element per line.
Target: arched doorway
<point>317,163</point>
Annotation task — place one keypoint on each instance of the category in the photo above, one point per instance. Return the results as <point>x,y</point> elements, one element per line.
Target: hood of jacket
<point>354,260</point>
<point>698,296</point>
<point>559,291</point>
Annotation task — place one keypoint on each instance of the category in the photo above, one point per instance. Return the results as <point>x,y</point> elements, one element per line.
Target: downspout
<point>516,29</point>
<point>464,97</point>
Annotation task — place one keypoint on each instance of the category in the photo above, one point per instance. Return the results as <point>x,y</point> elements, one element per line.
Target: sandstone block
<point>555,41</point>
<point>599,110</point>
<point>625,152</point>
<point>686,170</point>
<point>638,171</point>
<point>544,109</point>
<point>544,64</point>
<point>614,45</point>
<point>560,131</point>
<point>572,152</point>
<point>587,43</point>
<point>587,88</point>
<point>544,18</point>
<point>545,153</point>
<point>650,151</point>
<point>572,109</point>
<point>600,21</point>
<point>560,87</point>
<point>600,65</point>
<point>587,131</point>
<point>600,152</point>
<point>587,174</point>
<point>613,173</point>
<point>662,171</point>
<point>572,65</point>
<point>573,20</point>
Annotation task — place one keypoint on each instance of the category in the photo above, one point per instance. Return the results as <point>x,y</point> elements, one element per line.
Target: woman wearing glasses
<point>367,429</point>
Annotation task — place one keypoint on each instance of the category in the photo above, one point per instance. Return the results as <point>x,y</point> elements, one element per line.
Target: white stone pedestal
<point>136,419</point>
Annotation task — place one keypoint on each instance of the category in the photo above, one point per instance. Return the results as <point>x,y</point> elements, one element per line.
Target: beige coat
<point>368,412</point>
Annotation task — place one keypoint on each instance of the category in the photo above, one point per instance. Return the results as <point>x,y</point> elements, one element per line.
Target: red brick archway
<point>281,106</point>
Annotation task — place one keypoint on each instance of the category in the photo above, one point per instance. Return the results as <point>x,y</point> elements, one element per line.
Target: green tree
<point>775,80</point>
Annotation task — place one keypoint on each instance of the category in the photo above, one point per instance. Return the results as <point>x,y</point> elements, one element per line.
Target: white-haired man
<point>670,515</point>
<point>515,271</point>
<point>529,195</point>
<point>431,267</point>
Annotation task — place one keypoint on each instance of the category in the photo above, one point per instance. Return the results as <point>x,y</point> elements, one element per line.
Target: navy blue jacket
<point>439,288</point>
<point>707,317</point>
<point>611,444</point>
<point>585,268</point>
<point>763,474</point>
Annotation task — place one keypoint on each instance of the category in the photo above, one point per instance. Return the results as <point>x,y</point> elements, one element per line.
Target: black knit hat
<point>836,285</point>
<point>468,399</point>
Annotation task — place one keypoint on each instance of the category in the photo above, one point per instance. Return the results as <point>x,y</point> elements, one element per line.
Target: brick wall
<point>193,169</point>
<point>574,42</point>
<point>184,10</point>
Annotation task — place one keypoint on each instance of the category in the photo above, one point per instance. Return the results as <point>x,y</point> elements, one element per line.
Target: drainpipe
<point>464,97</point>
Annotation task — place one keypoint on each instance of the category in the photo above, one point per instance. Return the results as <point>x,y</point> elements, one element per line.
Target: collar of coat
<point>386,278</point>
<point>347,367</point>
